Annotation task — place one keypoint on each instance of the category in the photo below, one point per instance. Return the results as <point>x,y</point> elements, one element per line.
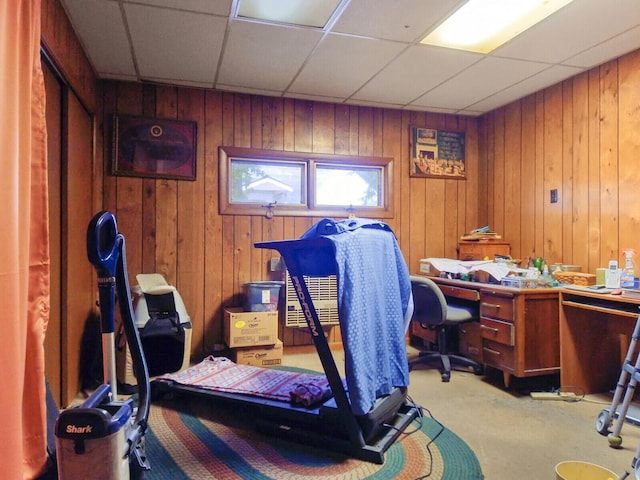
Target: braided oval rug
<point>193,438</point>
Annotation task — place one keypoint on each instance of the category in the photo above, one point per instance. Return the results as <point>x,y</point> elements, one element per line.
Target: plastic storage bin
<point>262,296</point>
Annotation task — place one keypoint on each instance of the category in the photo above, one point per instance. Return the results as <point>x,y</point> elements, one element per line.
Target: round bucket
<point>583,471</point>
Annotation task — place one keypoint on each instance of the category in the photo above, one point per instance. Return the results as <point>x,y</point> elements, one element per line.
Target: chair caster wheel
<point>446,377</point>
<point>478,370</point>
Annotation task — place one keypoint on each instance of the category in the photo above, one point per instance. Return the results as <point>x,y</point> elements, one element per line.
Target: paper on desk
<point>448,265</point>
<point>496,270</point>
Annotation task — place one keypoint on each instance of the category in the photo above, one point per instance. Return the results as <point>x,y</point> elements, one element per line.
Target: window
<point>292,184</point>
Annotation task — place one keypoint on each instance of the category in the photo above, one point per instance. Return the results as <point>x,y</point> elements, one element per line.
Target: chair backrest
<point>430,305</point>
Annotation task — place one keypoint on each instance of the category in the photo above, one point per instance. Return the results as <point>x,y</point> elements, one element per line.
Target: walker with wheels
<point>629,376</point>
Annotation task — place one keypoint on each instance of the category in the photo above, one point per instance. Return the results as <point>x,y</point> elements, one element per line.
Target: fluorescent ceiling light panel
<point>483,25</point>
<point>310,13</point>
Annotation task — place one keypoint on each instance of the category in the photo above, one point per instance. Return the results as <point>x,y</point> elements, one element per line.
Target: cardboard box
<point>263,356</point>
<point>427,268</point>
<point>249,329</point>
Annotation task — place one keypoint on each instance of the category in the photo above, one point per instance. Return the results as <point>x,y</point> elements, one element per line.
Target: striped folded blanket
<point>223,375</point>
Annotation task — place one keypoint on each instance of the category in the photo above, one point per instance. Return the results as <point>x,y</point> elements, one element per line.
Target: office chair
<point>432,312</point>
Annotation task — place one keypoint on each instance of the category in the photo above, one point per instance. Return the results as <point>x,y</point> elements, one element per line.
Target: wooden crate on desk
<point>583,279</point>
<point>564,277</point>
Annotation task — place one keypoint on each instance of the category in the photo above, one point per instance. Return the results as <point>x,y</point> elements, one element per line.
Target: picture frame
<point>437,153</point>
<point>154,147</point>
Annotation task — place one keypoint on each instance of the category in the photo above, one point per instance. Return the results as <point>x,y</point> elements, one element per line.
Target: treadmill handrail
<point>286,249</point>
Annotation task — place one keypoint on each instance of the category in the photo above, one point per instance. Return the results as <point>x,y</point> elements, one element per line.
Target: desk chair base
<point>446,361</point>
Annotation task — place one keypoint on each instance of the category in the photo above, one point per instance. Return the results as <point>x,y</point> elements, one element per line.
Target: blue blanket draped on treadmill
<point>374,296</point>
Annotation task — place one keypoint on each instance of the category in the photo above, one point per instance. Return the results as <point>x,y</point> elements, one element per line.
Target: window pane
<point>265,182</point>
<point>359,187</point>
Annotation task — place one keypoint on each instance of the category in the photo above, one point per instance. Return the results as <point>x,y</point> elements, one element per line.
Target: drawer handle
<point>493,329</point>
<point>494,352</point>
<point>491,305</point>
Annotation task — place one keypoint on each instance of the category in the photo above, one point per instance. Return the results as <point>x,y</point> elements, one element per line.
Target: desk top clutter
<point>505,272</point>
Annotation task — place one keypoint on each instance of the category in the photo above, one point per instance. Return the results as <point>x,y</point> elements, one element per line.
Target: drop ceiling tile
<point>578,26</point>
<point>170,44</point>
<point>265,56</point>
<point>341,64</point>
<point>539,81</point>
<point>416,71</point>
<point>401,20</point>
<point>101,30</point>
<point>217,7</point>
<point>616,47</point>
<point>479,81</point>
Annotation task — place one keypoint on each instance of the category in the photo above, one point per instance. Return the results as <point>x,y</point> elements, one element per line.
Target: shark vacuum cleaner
<point>104,436</point>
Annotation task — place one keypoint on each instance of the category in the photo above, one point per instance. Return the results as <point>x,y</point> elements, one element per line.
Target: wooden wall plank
<point>629,151</point>
<point>129,198</point>
<point>538,176</point>
<point>609,193</point>
<point>472,189</point>
<point>552,175</point>
<point>580,171</point>
<point>498,172</point>
<point>513,173</point>
<point>489,198</point>
<point>593,238</point>
<point>323,129</point>
<point>564,187</point>
<point>166,245</point>
<point>148,232</point>
<point>190,221</point>
<point>209,139</point>
<point>527,246</point>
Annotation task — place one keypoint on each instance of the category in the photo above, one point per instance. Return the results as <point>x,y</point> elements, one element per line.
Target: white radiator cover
<point>324,293</point>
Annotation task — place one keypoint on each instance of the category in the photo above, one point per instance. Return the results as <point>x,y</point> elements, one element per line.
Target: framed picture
<point>154,147</point>
<point>437,153</point>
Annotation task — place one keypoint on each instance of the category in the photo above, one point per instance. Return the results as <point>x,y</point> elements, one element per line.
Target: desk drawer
<point>460,292</point>
<point>498,331</point>
<point>496,306</point>
<point>499,356</point>
<point>470,340</point>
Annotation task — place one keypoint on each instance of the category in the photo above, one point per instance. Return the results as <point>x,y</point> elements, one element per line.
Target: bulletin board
<point>437,153</point>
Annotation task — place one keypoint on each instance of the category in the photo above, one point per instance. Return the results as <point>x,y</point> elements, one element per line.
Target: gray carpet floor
<point>513,435</point>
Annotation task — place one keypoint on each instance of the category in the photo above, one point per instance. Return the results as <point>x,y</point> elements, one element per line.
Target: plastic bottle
<point>627,277</point>
<point>546,277</point>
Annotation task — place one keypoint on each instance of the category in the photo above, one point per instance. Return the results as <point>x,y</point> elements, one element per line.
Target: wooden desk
<point>595,332</point>
<point>519,330</point>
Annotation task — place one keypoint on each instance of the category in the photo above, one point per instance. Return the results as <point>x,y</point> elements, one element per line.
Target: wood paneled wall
<point>581,137</point>
<point>174,227</point>
<point>72,102</point>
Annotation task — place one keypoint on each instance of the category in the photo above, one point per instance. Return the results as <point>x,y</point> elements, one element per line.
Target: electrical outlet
<point>274,264</point>
<point>554,195</point>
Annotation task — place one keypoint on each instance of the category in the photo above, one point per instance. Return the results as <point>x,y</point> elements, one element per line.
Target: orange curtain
<point>24,251</point>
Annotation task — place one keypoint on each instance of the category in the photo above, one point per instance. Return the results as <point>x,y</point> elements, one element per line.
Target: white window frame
<point>311,161</point>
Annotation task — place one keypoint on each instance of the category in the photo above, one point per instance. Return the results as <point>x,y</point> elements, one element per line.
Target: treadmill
<point>332,425</point>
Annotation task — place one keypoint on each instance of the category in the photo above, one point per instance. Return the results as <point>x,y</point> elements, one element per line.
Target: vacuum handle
<point>103,251</point>
<point>102,244</point>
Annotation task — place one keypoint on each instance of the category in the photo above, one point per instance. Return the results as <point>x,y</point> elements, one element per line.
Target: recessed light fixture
<point>483,25</point>
<point>310,13</point>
